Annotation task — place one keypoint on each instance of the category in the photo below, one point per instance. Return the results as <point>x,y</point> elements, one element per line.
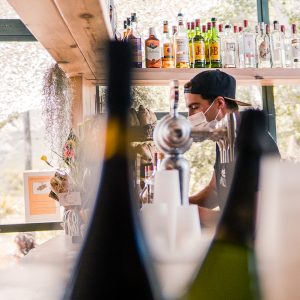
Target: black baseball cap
<point>214,83</point>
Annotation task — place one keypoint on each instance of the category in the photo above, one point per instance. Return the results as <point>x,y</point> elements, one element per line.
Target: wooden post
<point>84,93</point>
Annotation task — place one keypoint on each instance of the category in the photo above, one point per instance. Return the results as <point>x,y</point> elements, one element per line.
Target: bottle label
<point>215,51</point>
<point>199,50</point>
<point>230,47</point>
<point>136,50</point>
<point>168,50</point>
<point>153,52</point>
<point>168,58</point>
<point>264,51</point>
<point>182,51</point>
<point>230,55</point>
<point>249,45</point>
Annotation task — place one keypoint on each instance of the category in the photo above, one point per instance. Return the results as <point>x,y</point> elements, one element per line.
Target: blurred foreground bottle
<point>114,262</point>
<point>229,269</point>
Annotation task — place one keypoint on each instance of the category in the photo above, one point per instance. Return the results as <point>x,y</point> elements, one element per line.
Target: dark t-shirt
<point>224,172</point>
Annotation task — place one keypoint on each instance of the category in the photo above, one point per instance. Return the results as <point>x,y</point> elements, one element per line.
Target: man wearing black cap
<point>209,96</point>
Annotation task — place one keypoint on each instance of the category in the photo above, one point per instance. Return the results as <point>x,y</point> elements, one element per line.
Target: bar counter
<point>42,273</point>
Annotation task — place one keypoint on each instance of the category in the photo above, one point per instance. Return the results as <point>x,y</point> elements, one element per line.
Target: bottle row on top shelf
<point>192,45</point>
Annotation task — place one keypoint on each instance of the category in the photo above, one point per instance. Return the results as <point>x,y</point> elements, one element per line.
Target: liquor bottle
<point>181,45</point>
<point>191,36</point>
<point>134,38</point>
<point>114,261</point>
<point>174,31</point>
<point>228,270</point>
<point>128,26</point>
<point>277,47</point>
<point>287,47</point>
<point>249,46</point>
<point>168,49</point>
<point>124,30</point>
<point>153,50</point>
<point>230,45</point>
<point>207,46</point>
<point>215,46</point>
<point>263,47</point>
<point>295,47</point>
<point>199,47</point>
<point>221,35</point>
<point>241,47</point>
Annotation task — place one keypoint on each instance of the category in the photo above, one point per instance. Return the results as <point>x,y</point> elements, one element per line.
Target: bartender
<point>209,96</point>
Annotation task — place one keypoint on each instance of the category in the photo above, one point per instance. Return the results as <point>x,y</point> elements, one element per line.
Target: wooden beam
<point>83,106</point>
<point>89,25</point>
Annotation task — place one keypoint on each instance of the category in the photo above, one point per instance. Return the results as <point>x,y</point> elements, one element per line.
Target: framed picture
<point>39,207</point>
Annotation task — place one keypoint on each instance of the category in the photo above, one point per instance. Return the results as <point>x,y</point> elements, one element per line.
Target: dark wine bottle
<point>114,262</point>
<point>228,270</point>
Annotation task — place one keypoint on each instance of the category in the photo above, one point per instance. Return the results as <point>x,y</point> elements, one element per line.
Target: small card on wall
<point>39,207</point>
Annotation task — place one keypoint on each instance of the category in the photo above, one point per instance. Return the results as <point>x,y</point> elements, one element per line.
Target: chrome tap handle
<point>174,97</point>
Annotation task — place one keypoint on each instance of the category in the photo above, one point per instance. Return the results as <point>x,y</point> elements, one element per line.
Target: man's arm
<point>206,197</point>
<point>208,217</point>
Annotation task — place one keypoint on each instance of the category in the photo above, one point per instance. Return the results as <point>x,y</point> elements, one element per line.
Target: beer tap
<point>172,136</point>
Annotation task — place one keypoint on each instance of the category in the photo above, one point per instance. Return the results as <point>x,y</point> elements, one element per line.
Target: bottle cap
<point>245,23</point>
<point>152,31</point>
<point>197,21</point>
<point>227,26</point>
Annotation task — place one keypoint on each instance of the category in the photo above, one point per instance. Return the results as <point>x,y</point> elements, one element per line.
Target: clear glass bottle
<point>135,39</point>
<point>167,48</point>
<point>199,47</point>
<point>295,41</point>
<point>152,50</point>
<point>277,47</point>
<point>215,46</point>
<point>287,47</point>
<point>230,45</point>
<point>181,45</point>
<point>249,46</point>
<point>263,47</point>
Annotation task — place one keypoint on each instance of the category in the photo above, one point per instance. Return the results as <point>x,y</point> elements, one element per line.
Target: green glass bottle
<point>114,261</point>
<point>229,269</point>
<point>215,46</point>
<point>199,47</point>
<point>207,45</point>
<point>191,36</point>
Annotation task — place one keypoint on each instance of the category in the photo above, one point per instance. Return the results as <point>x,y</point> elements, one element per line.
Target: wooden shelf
<point>73,31</point>
<point>265,77</point>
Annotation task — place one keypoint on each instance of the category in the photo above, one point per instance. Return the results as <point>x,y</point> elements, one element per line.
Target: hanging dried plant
<point>57,107</point>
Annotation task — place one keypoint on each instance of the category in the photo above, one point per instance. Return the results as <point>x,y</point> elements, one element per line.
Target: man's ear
<point>220,102</point>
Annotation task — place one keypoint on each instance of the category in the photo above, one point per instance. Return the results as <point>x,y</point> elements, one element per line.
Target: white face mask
<point>199,120</point>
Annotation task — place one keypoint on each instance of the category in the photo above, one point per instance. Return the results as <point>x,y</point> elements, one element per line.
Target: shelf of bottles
<point>260,56</point>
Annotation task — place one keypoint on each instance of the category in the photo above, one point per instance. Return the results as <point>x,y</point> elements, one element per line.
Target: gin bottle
<point>295,47</point>
<point>277,47</point>
<point>249,46</point>
<point>181,45</point>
